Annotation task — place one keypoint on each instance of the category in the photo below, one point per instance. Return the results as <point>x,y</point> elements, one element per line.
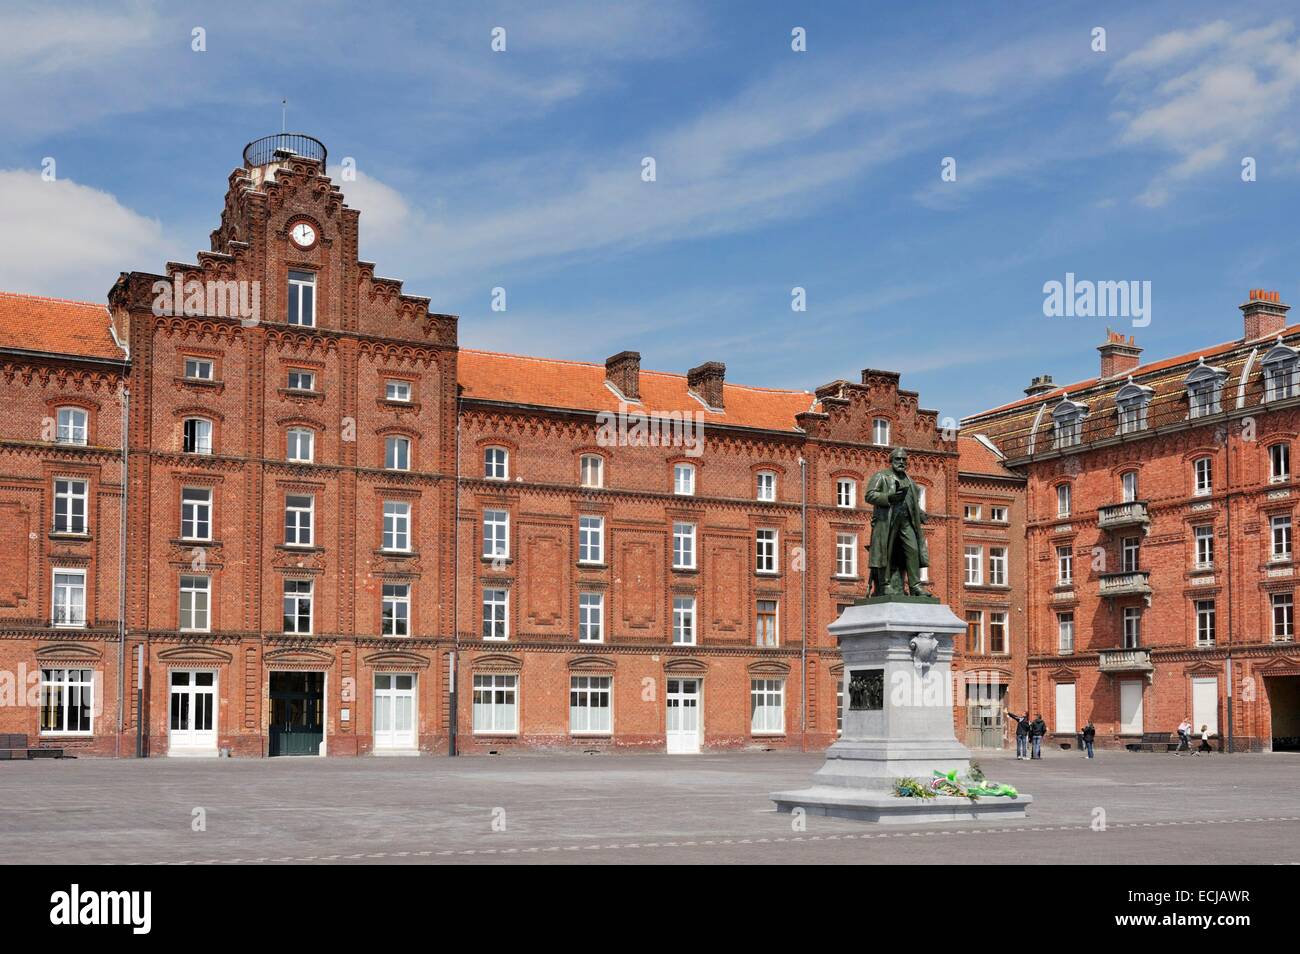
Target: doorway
<point>192,726</point>
<point>394,712</point>
<point>297,713</point>
<point>984,715</point>
<point>1284,704</point>
<point>683,722</point>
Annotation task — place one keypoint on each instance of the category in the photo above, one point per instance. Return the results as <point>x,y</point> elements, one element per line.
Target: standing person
<point>1038,729</point>
<point>1184,737</point>
<point>1205,740</point>
<point>1089,734</point>
<point>1022,735</point>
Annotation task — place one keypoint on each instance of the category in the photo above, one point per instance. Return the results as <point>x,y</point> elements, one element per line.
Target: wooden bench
<point>1153,742</point>
<point>13,745</point>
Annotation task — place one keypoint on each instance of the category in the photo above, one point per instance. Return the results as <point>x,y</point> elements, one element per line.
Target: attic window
<point>1131,403</point>
<point>1067,423</point>
<point>1281,372</point>
<point>1204,389</point>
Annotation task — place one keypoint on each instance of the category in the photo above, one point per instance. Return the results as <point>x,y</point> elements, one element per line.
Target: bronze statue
<point>898,547</point>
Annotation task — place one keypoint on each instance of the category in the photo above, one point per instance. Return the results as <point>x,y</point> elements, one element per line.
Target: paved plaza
<point>625,808</point>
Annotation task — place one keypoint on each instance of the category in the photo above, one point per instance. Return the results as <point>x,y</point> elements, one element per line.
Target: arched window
<point>73,425</point>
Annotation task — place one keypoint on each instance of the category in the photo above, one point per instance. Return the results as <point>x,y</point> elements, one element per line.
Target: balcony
<point>1131,514</point>
<point>1137,583</point>
<point>1125,660</point>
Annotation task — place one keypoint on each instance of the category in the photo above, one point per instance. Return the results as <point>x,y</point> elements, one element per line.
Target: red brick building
<point>335,517</point>
<point>1160,567</point>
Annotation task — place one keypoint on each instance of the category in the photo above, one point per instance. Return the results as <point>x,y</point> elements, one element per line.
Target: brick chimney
<point>1264,313</point>
<point>623,370</point>
<point>1119,355</point>
<point>706,381</point>
<point>1040,384</point>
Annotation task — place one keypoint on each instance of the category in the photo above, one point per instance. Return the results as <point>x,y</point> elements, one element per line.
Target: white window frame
<point>502,692</point>
<point>683,545</point>
<point>880,431</point>
<point>591,471</point>
<point>1279,530</point>
<point>997,566</point>
<point>71,425</point>
<point>974,564</point>
<point>972,511</point>
<point>397,452</point>
<point>1130,552</point>
<point>295,437</point>
<point>591,617</point>
<point>684,480</point>
<point>397,390</point>
<point>846,555</point>
<point>1128,486</point>
<point>1131,627</point>
<point>767,558</point>
<point>1064,565</point>
<point>1203,542</point>
<point>591,539</point>
<point>1206,622</point>
<point>584,717</point>
<point>202,442</point>
<point>1065,632</point>
<point>299,597</point>
<point>998,515</point>
<point>68,598</point>
<point>303,317</point>
<point>60,680</point>
<point>1283,621</point>
<point>496,613</point>
<point>296,378</point>
<point>1064,499</point>
<point>1203,476</point>
<point>496,462</point>
<point>978,648</point>
<point>198,369</point>
<point>195,512</point>
<point>765,486</point>
<point>1279,462</point>
<point>496,534</point>
<point>64,505</point>
<point>846,493</point>
<point>684,621</point>
<point>767,707</point>
<point>395,609</point>
<point>999,619</point>
<point>196,590</point>
<point>396,532</point>
<point>293,531</point>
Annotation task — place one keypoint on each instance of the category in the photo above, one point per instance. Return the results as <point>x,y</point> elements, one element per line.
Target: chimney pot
<point>623,370</point>
<point>1119,354</point>
<point>1264,314</point>
<point>706,381</point>
<point>1040,384</point>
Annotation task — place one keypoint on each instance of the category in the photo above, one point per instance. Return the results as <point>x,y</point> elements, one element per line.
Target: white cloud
<point>1208,97</point>
<point>68,240</point>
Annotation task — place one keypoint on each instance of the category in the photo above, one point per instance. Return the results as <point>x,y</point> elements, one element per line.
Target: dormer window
<point>302,298</point>
<point>1131,403</point>
<point>1204,388</point>
<point>1281,372</point>
<point>1067,423</point>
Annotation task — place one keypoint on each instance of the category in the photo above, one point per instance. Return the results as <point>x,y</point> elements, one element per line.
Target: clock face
<point>303,235</point>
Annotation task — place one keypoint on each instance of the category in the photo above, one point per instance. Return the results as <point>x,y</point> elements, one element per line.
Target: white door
<point>1205,704</point>
<point>1065,708</point>
<point>193,723</point>
<point>394,711</point>
<point>683,716</point>
<point>1130,707</point>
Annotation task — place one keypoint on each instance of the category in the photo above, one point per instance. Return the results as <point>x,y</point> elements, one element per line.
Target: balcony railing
<point>1137,583</point>
<point>1125,660</point>
<point>1131,514</point>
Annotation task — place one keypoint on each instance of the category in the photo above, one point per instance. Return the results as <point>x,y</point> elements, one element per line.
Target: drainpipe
<point>121,572</point>
<point>803,652</point>
<point>453,673</point>
<point>1227,663</point>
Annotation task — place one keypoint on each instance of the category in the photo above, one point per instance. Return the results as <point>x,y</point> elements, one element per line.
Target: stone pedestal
<point>898,715</point>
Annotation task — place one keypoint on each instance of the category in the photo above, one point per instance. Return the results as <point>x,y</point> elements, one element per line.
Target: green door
<point>297,713</point>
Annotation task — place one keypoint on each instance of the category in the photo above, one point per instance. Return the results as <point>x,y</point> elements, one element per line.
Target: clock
<point>303,235</point>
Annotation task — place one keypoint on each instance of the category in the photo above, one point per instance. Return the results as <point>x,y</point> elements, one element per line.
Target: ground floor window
<point>67,700</point>
<point>589,705</point>
<point>766,706</point>
<point>496,703</point>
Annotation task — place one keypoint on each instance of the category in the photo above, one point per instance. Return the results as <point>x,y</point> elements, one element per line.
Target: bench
<point>13,745</point>
<point>1153,742</point>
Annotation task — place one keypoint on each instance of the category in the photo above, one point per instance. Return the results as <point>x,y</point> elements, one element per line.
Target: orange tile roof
<point>57,326</point>
<point>975,457</point>
<point>580,385</point>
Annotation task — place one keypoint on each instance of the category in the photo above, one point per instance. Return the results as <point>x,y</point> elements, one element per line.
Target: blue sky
<point>775,169</point>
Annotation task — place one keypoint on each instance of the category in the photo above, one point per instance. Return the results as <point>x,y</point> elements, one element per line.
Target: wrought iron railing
<point>280,146</point>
